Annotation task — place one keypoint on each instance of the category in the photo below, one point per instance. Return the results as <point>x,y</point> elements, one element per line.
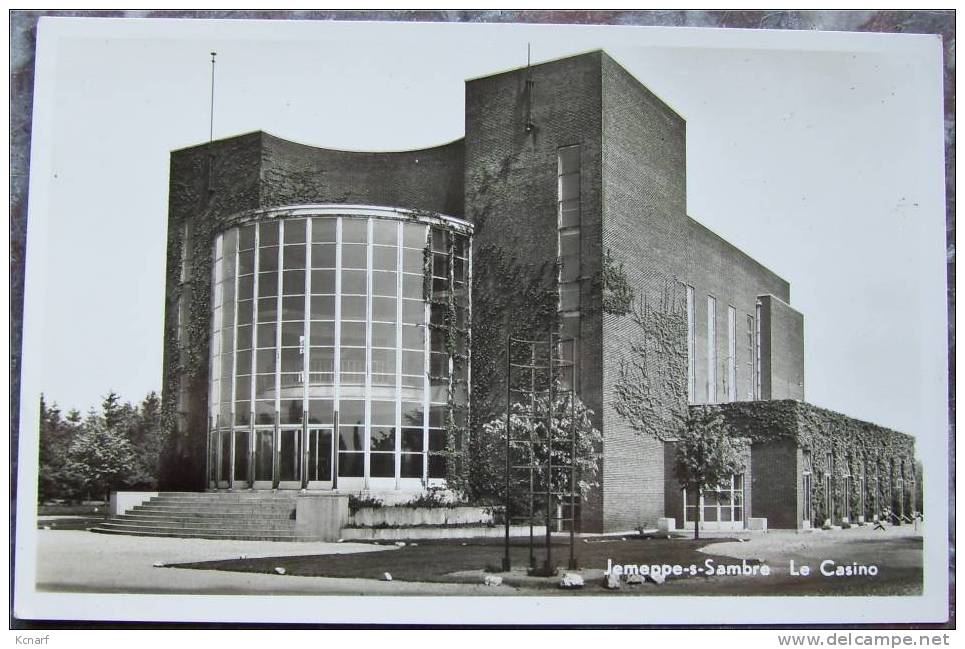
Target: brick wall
<point>774,478</point>
<point>511,198</point>
<point>782,350</point>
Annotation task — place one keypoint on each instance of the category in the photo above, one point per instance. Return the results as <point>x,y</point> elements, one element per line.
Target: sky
<point>820,155</point>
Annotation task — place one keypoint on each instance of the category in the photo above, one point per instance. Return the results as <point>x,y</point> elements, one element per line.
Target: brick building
<point>570,183</point>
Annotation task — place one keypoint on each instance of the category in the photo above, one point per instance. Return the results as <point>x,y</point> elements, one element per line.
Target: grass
<point>436,561</point>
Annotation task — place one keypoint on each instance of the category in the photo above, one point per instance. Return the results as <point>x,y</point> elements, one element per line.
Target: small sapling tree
<point>707,454</point>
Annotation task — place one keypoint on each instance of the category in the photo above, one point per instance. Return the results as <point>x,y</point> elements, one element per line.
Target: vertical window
<point>806,487</point>
<point>691,345</point>
<point>757,352</point>
<point>568,246</point>
<point>751,364</point>
<point>829,486</point>
<point>711,349</point>
<point>731,353</point>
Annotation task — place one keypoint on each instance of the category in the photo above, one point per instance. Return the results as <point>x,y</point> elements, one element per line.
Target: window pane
<point>413,311</point>
<point>351,438</point>
<point>293,282</point>
<point>437,314</point>
<point>353,308</point>
<point>569,243</point>
<point>246,237</point>
<point>292,360</point>
<point>569,296</point>
<point>291,411</point>
<point>322,334</point>
<point>351,411</point>
<point>267,309</point>
<point>570,213</point>
<point>570,268</point>
<point>353,334</point>
<point>351,465</point>
<point>353,361</point>
<point>323,282</point>
<point>412,286</point>
<point>569,159</point>
<point>413,236</point>
<point>440,265</point>
<point>384,258</point>
<point>412,439</point>
<point>385,284</point>
<point>440,240</point>
<point>383,361</point>
<point>385,232</point>
<point>412,261</point>
<point>264,412</point>
<point>268,259</point>
<point>293,308</point>
<point>384,309</point>
<point>265,361</point>
<point>323,307</point>
<point>243,360</point>
<point>323,255</point>
<point>383,334</point>
<point>246,287</point>
<point>244,312</point>
<point>322,359</point>
<point>295,231</point>
<point>382,412</point>
<point>246,262</point>
<point>413,363</point>
<point>267,284</point>
<point>354,282</point>
<point>320,411</point>
<point>354,230</point>
<point>411,465</point>
<point>323,229</point>
<point>382,438</point>
<point>382,465</point>
<point>412,414</point>
<point>267,335</point>
<point>569,186</point>
<point>292,333</point>
<point>413,337</point>
<point>268,234</point>
<point>294,256</point>
<point>244,337</point>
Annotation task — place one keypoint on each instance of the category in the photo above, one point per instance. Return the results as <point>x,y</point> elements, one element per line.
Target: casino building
<point>321,333</point>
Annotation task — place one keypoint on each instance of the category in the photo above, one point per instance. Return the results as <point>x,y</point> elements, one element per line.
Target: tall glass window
<point>731,353</point>
<point>325,342</point>
<point>691,345</point>
<point>750,366</point>
<point>568,249</point>
<point>711,349</point>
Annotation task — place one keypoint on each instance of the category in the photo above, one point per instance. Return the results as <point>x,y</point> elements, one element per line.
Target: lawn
<point>466,561</point>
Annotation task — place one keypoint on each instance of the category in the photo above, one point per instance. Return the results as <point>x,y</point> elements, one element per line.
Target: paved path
<point>81,561</point>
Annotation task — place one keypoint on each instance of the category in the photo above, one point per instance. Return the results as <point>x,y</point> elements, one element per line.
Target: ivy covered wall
<point>883,457</point>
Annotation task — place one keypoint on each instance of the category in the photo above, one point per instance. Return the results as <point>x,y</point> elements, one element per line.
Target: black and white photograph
<point>485,322</point>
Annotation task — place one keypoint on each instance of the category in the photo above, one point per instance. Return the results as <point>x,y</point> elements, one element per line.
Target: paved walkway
<point>81,561</point>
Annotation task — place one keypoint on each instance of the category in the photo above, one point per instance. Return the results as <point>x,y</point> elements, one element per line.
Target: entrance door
<point>721,509</point>
<point>240,464</point>
<point>264,457</point>
<point>224,459</point>
<point>290,458</point>
<point>319,462</point>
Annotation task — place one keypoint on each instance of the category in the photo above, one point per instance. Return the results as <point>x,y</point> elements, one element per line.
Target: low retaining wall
<point>123,501</point>
<point>419,533</point>
<point>320,516</point>
<point>411,516</point>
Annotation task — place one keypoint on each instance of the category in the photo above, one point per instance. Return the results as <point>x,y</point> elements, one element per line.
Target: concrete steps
<point>245,516</point>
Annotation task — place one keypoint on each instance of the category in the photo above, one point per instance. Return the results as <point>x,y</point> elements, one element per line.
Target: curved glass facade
<point>339,351</point>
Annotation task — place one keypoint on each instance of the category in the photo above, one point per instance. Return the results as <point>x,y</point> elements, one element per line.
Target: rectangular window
<point>691,345</point>
<point>569,244</point>
<point>711,349</point>
<point>757,351</point>
<point>751,374</point>
<point>731,353</point>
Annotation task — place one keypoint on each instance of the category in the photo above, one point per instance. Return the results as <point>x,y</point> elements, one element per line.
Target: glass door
<point>264,457</point>
<point>290,458</point>
<point>319,458</point>
<point>240,464</point>
<point>224,459</point>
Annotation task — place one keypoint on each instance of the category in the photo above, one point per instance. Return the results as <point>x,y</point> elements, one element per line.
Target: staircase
<point>241,516</point>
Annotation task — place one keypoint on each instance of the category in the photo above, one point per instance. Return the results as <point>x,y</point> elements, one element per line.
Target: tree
<point>488,450</point>
<point>707,453</point>
<point>101,456</point>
